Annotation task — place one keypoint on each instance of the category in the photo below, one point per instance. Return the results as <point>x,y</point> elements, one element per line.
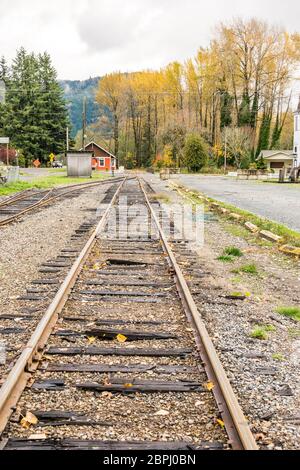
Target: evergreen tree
<point>35,114</point>
<point>244,118</point>
<point>264,133</point>
<point>276,134</point>
<point>226,109</point>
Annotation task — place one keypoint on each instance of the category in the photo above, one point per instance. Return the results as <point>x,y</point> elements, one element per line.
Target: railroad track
<point>121,358</point>
<point>11,209</point>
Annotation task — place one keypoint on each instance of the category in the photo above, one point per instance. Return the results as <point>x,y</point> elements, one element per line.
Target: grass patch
<point>290,312</point>
<point>278,357</point>
<point>261,332</point>
<point>247,269</point>
<point>240,294</point>
<point>47,182</point>
<point>236,280</point>
<point>233,251</point>
<point>294,332</point>
<point>237,231</point>
<point>226,259</point>
<point>229,254</point>
<point>161,197</point>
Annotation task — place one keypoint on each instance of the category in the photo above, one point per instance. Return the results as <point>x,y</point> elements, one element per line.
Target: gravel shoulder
<point>267,387</point>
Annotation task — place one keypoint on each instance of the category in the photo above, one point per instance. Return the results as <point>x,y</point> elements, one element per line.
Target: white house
<point>297,137</point>
<point>277,160</point>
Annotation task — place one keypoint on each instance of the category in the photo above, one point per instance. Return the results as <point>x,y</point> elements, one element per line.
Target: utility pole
<point>67,139</point>
<point>225,154</point>
<point>83,123</point>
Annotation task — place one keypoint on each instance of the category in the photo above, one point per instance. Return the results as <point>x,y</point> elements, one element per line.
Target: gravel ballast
<point>261,371</point>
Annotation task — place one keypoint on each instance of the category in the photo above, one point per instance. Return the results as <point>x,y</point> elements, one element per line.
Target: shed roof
<point>283,154</point>
<point>101,148</point>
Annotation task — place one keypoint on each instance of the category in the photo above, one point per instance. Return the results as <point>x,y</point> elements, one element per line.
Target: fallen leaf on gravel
<point>91,339</point>
<point>122,338</point>
<point>209,386</point>
<point>221,423</point>
<point>106,395</point>
<point>28,420</point>
<point>162,413</point>
<point>49,358</point>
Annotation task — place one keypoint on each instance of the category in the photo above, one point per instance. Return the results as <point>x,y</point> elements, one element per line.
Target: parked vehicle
<point>56,164</point>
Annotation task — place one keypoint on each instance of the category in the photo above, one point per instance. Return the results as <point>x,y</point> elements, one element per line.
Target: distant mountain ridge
<point>75,91</point>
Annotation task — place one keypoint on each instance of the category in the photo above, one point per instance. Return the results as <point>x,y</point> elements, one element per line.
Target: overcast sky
<point>93,37</point>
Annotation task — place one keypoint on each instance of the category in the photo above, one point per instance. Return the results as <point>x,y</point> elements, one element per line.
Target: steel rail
<point>236,424</point>
<point>26,193</point>
<point>46,199</point>
<point>15,198</point>
<point>27,363</point>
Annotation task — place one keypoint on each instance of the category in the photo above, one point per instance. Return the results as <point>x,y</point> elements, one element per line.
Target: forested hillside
<point>234,94</point>
<point>74,92</point>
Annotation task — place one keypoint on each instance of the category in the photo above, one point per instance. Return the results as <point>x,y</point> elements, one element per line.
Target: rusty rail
<point>236,424</point>
<point>47,198</point>
<point>27,363</point>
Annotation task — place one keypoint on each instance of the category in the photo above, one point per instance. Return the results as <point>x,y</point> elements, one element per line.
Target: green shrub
<point>195,152</point>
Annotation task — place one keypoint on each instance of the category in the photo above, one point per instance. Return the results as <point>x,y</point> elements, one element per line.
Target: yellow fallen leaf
<point>28,420</point>
<point>122,338</point>
<point>221,423</point>
<point>209,386</point>
<point>128,385</point>
<point>91,339</point>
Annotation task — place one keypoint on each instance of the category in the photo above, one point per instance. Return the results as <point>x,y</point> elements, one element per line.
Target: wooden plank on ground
<point>131,335</point>
<point>107,368</point>
<point>75,444</point>
<point>139,352</point>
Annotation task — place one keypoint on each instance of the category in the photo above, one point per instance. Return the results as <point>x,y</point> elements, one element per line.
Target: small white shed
<point>79,164</point>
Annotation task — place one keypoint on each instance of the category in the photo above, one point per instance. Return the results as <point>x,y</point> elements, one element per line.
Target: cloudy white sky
<point>93,37</point>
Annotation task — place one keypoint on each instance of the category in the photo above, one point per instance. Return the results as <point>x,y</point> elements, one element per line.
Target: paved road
<point>277,202</point>
<point>31,174</point>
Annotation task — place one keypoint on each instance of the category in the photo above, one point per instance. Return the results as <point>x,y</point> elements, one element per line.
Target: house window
<point>101,162</point>
<point>277,165</point>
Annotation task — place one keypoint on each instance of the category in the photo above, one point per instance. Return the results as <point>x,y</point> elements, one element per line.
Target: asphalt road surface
<point>278,202</point>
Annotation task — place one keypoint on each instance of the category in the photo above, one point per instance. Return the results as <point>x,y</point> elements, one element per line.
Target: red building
<point>102,160</point>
